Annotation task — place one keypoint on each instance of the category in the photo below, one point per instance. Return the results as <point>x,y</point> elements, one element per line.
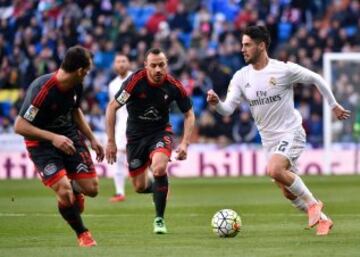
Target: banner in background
<point>15,164</point>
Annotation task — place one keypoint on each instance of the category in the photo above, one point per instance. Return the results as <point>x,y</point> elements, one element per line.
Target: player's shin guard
<point>72,215</point>
<point>160,187</point>
<point>299,189</point>
<point>299,204</point>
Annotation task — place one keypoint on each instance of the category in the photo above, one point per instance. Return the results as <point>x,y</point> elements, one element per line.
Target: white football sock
<point>119,175</point>
<point>299,189</point>
<point>299,204</point>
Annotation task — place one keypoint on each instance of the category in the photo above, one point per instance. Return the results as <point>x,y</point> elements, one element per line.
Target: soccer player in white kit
<point>122,69</point>
<point>267,84</point>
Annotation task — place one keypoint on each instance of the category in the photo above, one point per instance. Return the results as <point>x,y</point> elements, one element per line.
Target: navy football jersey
<point>47,107</point>
<point>148,104</point>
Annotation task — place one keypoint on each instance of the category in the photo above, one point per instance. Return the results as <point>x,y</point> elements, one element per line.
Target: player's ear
<point>263,45</point>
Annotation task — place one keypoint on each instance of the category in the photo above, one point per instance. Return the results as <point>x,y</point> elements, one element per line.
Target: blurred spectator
<point>202,39</point>
<point>244,130</point>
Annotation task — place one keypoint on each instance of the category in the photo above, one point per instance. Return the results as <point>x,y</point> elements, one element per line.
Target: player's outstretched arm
<point>228,106</point>
<point>341,113</point>
<point>84,127</point>
<point>26,129</point>
<point>189,122</point>
<point>110,118</point>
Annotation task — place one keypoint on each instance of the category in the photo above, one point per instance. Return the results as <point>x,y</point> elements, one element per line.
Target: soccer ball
<point>226,223</point>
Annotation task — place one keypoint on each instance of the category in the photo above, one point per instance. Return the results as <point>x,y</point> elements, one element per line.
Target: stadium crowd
<point>202,40</point>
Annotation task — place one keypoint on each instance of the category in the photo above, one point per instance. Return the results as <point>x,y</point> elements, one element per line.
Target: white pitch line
<point>2,214</point>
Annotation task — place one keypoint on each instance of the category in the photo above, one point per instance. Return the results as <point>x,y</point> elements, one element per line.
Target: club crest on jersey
<point>135,163</point>
<point>272,81</point>
<point>123,97</point>
<point>160,145</point>
<point>50,169</point>
<point>31,112</point>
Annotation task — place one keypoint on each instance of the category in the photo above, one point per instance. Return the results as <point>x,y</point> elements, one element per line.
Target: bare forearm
<point>111,120</point>
<point>26,129</point>
<point>188,126</point>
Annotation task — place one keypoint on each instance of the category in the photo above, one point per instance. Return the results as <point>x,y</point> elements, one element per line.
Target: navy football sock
<point>72,215</point>
<point>160,188</point>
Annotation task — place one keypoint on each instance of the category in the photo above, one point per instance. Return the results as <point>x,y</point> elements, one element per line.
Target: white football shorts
<point>290,145</point>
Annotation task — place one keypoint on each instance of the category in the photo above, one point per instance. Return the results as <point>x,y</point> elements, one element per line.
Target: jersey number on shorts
<point>282,146</point>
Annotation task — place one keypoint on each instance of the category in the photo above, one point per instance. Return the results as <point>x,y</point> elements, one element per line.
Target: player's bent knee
<point>91,189</point>
<point>274,170</point>
<point>159,169</point>
<point>139,187</point>
<point>65,195</point>
<point>92,192</point>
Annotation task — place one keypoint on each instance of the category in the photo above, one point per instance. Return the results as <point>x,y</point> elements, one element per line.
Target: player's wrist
<point>111,141</point>
<point>186,143</point>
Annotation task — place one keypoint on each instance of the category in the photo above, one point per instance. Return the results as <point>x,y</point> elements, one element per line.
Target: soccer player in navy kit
<point>54,127</point>
<point>148,94</point>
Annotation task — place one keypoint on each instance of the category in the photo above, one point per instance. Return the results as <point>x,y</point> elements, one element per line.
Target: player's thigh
<point>63,191</point>
<point>139,181</point>
<point>137,156</point>
<point>48,163</point>
<point>290,147</point>
<point>159,162</point>
<point>161,142</point>
<point>278,162</point>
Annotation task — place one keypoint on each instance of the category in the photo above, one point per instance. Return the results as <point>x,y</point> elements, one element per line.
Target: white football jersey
<point>121,114</point>
<point>270,94</point>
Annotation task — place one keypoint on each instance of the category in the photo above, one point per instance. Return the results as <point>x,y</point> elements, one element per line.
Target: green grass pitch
<point>30,224</point>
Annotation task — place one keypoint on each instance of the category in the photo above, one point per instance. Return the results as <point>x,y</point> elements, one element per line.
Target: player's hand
<point>97,147</point>
<point>212,97</point>
<point>64,143</point>
<point>111,151</point>
<point>341,113</point>
<point>181,152</point>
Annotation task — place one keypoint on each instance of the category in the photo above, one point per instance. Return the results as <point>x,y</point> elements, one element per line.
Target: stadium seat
<point>176,121</point>
<point>284,31</point>
<point>198,104</point>
<point>5,108</point>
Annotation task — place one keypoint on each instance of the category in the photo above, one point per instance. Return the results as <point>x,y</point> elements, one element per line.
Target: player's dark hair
<point>122,54</point>
<point>76,57</point>
<point>258,34</point>
<point>155,51</point>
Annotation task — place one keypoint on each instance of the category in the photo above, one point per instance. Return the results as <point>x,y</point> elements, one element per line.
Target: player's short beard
<point>255,58</point>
